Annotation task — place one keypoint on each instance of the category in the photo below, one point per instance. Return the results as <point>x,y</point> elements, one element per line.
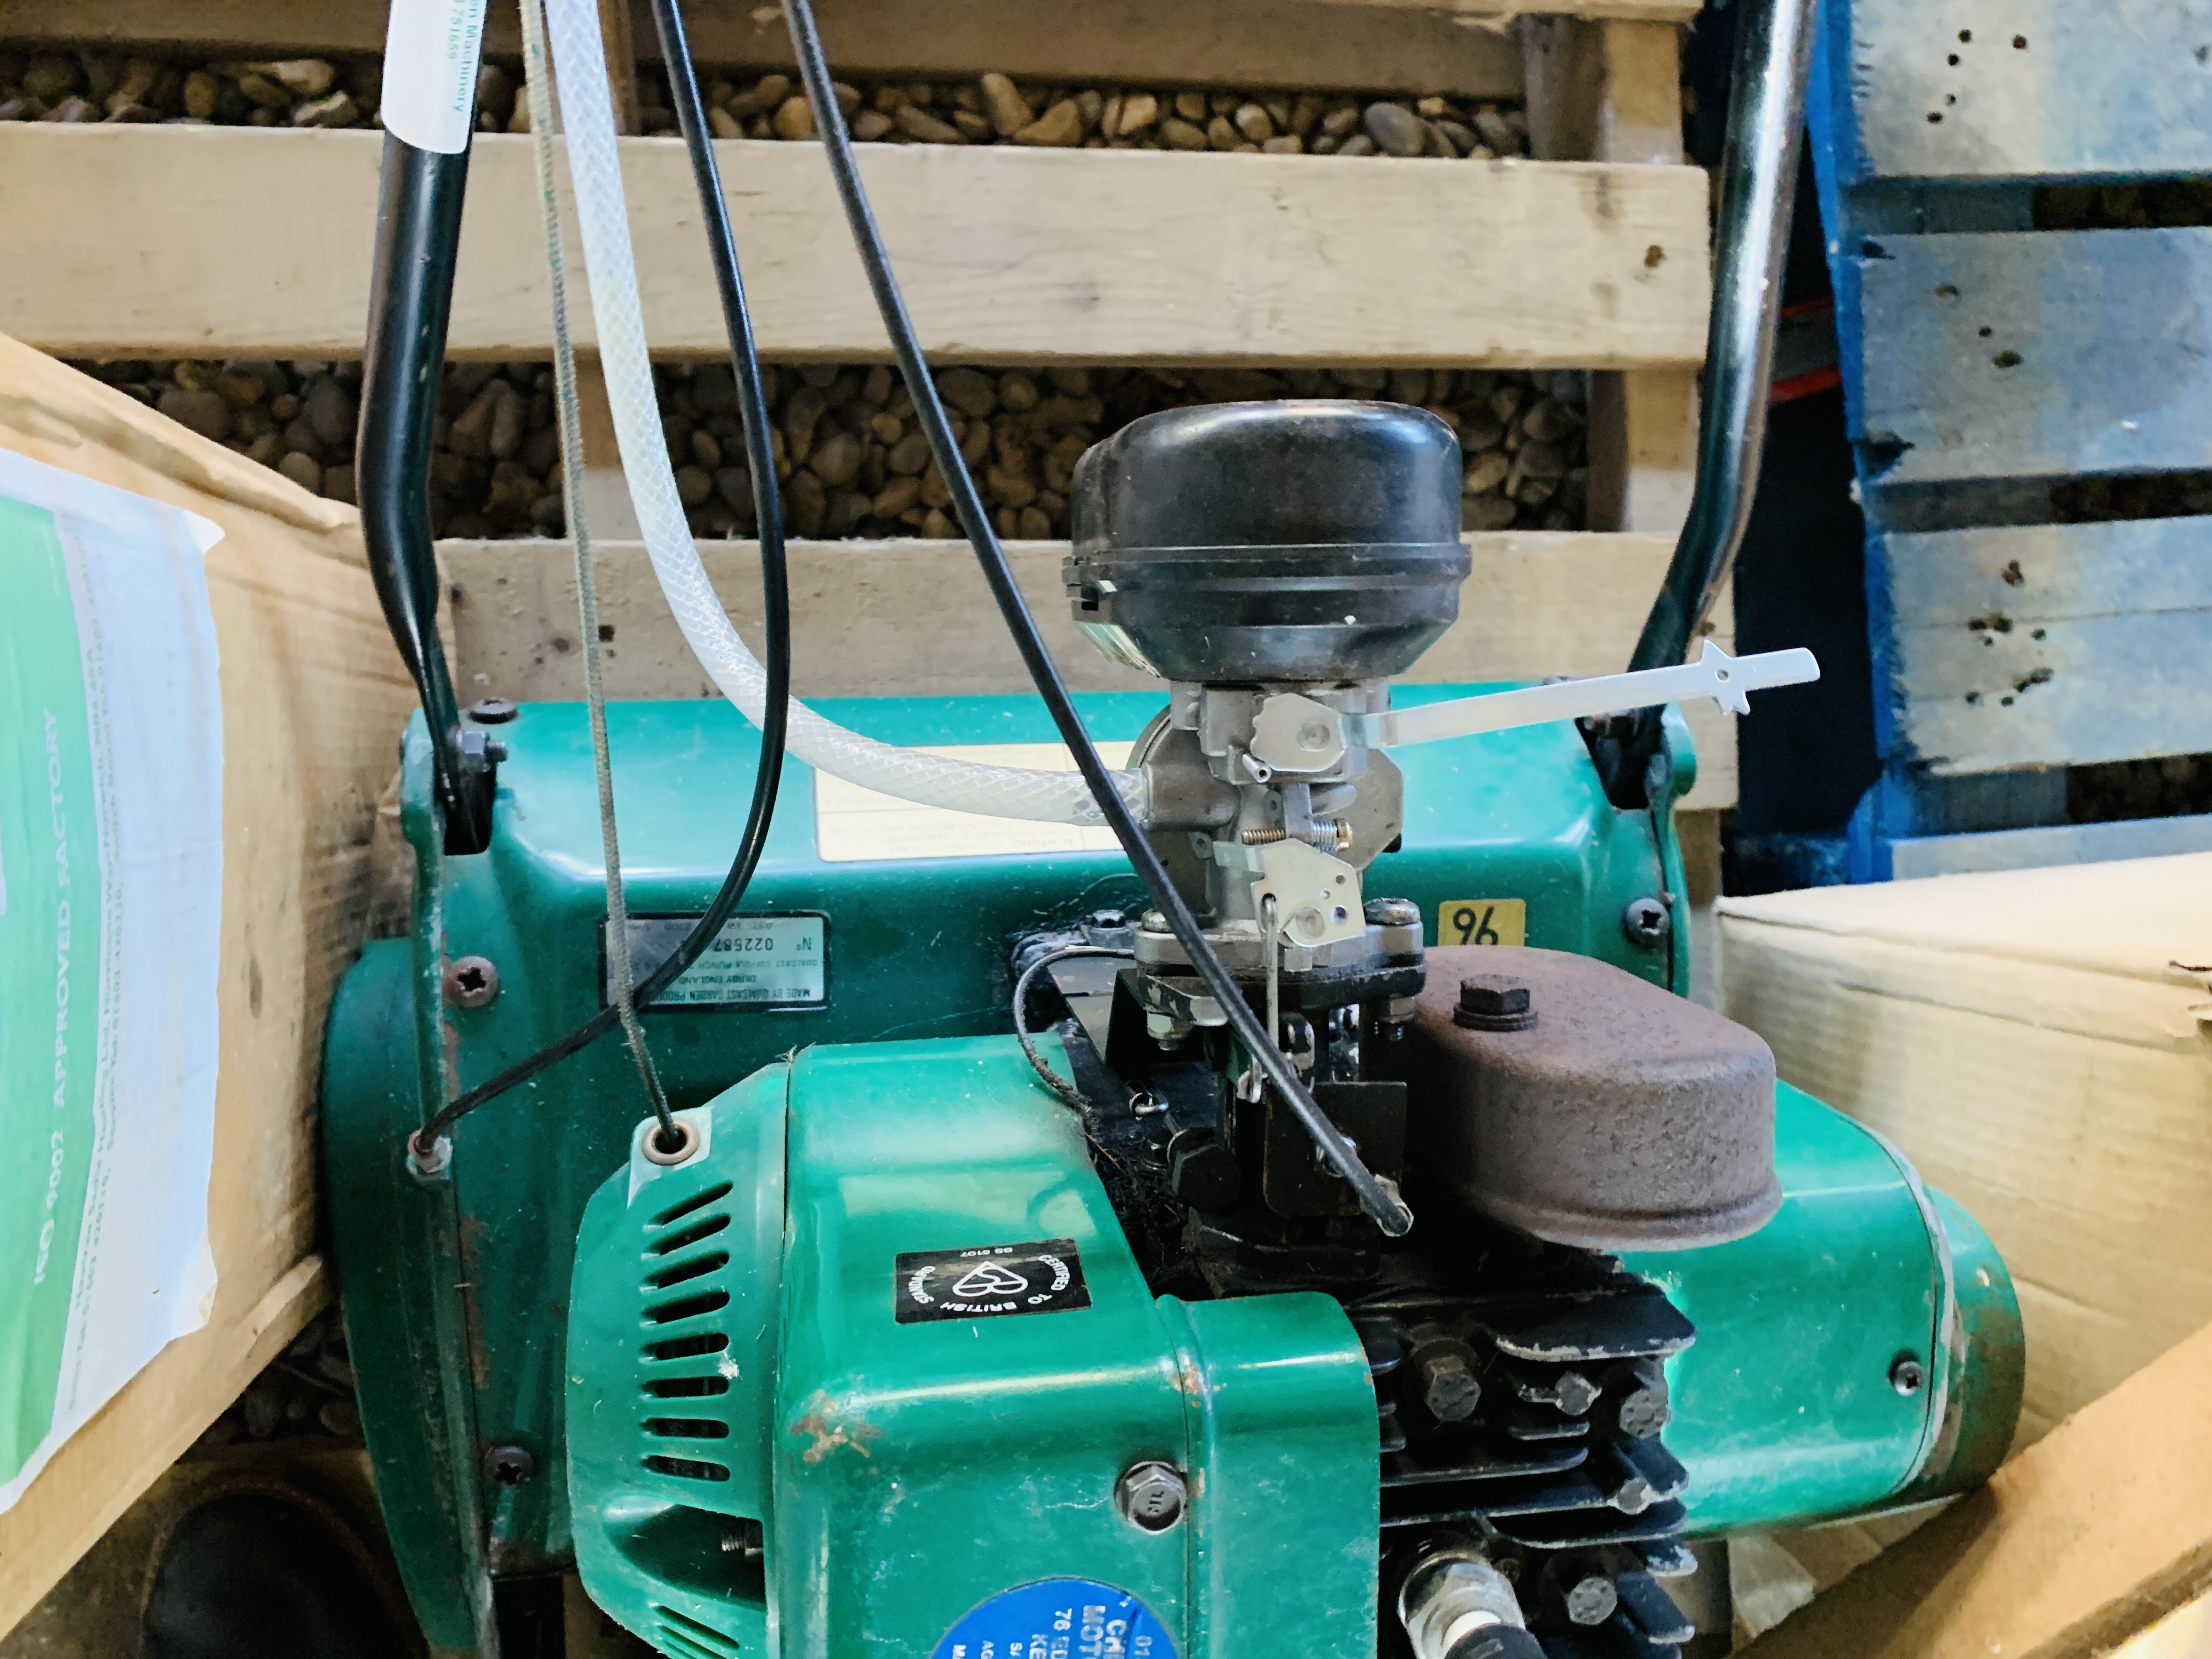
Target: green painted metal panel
<point>1784,1408</point>
<point>916,948</point>
<point>930,1435</point>
<point>1283,1434</point>
<point>396,1262</point>
<point>673,1331</point>
<point>925,1468</point>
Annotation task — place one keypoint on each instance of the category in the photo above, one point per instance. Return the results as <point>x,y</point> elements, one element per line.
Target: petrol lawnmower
<point>1273,1196</point>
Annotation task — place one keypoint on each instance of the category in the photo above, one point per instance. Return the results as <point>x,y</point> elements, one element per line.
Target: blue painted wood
<point>2035,355</point>
<point>1976,90</point>
<point>2014,578</point>
<point>1979,354</point>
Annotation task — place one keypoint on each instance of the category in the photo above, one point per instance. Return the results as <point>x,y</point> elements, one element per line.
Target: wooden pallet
<point>1593,255</point>
<point>216,243</point>
<point>1985,360</point>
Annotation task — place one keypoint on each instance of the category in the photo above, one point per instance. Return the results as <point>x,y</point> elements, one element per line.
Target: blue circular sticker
<point>1059,1619</point>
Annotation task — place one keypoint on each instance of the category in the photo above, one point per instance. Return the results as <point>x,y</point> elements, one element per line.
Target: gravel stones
<point>853,463</point>
<point>846,446</point>
<point>1009,112</point>
<point>1396,130</point>
<point>1059,127</point>
<point>308,94</point>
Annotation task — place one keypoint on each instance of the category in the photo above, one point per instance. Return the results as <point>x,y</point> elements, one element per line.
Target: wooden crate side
<point>2032,1041</point>
<point>1008,255</point>
<point>1384,45</point>
<point>2046,644</point>
<point>2059,354</point>
<point>1612,92</point>
<point>1981,89</point>
<point>1537,604</point>
<point>313,700</point>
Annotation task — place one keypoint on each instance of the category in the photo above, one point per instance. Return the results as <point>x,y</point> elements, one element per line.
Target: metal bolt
<point>508,1466</point>
<point>1150,1495</point>
<point>1642,1409</point>
<point>491,711</point>
<point>1393,912</point>
<point>1907,1374</point>
<point>1574,1394</point>
<point>1592,1600</point>
<point>1449,1387</point>
<point>1494,1002</point>
<point>1153,922</point>
<point>472,981</point>
<point>1647,922</point>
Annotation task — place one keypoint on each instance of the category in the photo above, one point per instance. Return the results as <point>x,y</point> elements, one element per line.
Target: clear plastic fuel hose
<point>588,120</point>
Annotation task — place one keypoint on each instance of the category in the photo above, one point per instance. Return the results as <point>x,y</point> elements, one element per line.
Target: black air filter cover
<point>1300,541</point>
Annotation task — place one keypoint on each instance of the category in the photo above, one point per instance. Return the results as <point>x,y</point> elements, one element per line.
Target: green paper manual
<point>110,935</point>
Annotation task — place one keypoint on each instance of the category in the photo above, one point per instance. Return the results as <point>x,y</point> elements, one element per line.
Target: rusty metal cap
<point>1494,1002</point>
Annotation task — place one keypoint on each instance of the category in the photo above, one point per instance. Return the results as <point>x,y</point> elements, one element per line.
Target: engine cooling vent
<point>683,1337</point>
<point>682,1637</point>
<point>672,1380</point>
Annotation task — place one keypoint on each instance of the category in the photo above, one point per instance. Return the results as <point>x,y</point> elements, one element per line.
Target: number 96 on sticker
<point>1482,921</point>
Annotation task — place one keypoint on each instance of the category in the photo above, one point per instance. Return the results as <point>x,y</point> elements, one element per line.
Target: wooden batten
<point>1008,255</point>
<point>1381,45</point>
<point>913,619</point>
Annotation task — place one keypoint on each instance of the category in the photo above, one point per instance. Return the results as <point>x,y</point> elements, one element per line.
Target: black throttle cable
<point>1377,1198</point>
<point>775,592</point>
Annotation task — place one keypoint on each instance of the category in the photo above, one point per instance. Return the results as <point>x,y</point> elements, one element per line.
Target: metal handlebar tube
<point>1759,178</point>
<point>418,233</point>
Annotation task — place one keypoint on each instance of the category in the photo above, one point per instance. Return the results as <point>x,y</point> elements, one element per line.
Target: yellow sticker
<point>1482,921</point>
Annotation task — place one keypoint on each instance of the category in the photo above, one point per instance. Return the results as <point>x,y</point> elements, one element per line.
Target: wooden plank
<point>312,698</point>
<point>1007,254</point>
<point>1537,604</point>
<point>2078,1544</point>
<point>2014,88</point>
<point>2008,580</point>
<point>1384,45</point>
<point>2048,644</point>
<point>1612,92</point>
<point>2032,1041</point>
<point>2034,355</point>
<point>1915,856</point>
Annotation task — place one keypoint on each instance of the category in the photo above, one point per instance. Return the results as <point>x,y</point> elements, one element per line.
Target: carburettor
<point>1271,561</point>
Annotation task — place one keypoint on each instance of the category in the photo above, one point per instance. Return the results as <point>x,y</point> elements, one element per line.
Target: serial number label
<point>755,961</point>
<point>1482,921</point>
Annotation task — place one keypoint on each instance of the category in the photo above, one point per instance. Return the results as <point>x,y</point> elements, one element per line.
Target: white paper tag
<point>111,946</point>
<point>431,54</point>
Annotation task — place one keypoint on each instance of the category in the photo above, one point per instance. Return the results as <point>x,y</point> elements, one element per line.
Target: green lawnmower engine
<point>923,1344</point>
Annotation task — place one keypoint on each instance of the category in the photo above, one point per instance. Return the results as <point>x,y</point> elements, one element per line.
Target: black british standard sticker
<point>989,1281</point>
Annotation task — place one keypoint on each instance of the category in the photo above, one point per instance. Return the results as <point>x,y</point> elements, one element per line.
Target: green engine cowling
<point>765,1456</point>
<point>495,1470</point>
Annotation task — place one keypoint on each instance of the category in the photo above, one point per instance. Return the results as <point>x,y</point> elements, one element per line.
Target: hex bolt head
<point>472,981</point>
<point>1591,1600</point>
<point>1647,922</point>
<point>1574,1393</point>
<point>1150,1495</point>
<point>1642,1409</point>
<point>508,1466</point>
<point>1907,1374</point>
<point>1494,1002</point>
<point>1449,1387</point>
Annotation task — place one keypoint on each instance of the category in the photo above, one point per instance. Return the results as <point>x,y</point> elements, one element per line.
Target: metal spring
<point>1326,832</point>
